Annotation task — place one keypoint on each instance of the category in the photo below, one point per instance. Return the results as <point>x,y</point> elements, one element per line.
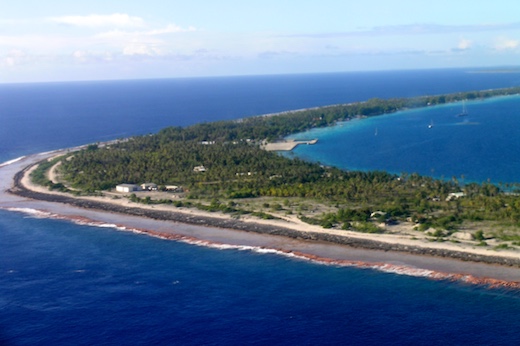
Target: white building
<point>127,188</point>
<point>174,188</point>
<point>149,186</point>
<point>455,195</point>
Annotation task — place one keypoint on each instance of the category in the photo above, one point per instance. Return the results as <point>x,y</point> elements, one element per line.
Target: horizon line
<point>476,69</point>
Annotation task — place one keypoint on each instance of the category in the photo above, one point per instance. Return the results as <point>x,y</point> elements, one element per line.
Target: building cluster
<point>125,188</point>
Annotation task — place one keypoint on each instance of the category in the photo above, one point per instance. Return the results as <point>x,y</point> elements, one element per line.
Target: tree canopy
<point>237,167</point>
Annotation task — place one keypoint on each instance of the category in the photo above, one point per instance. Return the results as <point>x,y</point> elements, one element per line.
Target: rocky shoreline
<point>235,224</point>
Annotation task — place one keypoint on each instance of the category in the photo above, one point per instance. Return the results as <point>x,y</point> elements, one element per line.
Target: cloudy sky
<point>60,40</point>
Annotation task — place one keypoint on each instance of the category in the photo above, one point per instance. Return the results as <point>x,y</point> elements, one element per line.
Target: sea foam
<point>381,267</point>
<point>10,162</point>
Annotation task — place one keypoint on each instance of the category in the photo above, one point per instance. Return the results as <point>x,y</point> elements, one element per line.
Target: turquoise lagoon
<point>481,146</point>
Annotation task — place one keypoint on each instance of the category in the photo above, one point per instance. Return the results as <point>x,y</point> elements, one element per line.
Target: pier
<point>288,145</point>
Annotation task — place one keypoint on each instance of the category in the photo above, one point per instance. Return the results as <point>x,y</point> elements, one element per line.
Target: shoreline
<point>360,242</point>
<point>24,188</point>
<point>229,223</point>
<point>382,266</point>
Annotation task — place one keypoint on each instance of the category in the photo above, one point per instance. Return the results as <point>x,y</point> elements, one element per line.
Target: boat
<point>430,125</point>
<point>464,111</point>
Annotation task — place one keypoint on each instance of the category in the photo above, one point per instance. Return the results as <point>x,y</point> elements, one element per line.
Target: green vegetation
<point>240,177</point>
<point>39,175</point>
<point>479,235</point>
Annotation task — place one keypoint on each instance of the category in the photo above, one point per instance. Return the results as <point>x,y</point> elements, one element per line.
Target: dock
<point>288,145</point>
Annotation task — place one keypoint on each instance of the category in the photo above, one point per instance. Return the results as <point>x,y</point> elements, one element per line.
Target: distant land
<point>497,70</point>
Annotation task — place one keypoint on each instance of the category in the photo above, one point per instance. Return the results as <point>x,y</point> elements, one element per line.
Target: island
<point>223,175</point>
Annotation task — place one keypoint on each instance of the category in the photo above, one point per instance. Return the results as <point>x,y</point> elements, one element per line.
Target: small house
<point>149,187</point>
<point>173,188</point>
<point>455,195</point>
<point>199,169</point>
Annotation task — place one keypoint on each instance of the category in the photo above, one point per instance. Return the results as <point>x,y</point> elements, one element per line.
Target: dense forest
<point>238,169</point>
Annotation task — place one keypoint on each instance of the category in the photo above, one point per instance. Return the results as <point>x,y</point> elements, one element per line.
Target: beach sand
<point>301,240</point>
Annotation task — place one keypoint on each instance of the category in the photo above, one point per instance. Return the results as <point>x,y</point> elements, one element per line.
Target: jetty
<point>288,145</point>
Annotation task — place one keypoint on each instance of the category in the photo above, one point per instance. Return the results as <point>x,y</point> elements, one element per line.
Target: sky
<point>64,40</point>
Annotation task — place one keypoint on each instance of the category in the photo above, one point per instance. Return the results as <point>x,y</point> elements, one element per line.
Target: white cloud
<point>13,58</point>
<point>141,49</point>
<point>503,43</point>
<point>464,44</point>
<point>412,29</point>
<point>120,34</point>
<point>82,56</point>
<point>170,29</point>
<point>143,43</point>
<point>85,48</point>
<point>96,20</point>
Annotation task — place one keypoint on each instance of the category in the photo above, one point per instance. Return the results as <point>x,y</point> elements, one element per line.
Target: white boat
<point>464,111</point>
<point>430,125</point>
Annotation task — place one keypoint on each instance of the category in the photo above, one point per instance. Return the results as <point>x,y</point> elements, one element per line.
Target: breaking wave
<point>381,267</point>
<point>10,162</point>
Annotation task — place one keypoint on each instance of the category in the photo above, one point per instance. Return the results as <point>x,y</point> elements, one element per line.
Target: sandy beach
<point>396,253</point>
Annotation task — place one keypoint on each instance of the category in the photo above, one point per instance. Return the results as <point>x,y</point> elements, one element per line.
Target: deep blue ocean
<point>66,284</point>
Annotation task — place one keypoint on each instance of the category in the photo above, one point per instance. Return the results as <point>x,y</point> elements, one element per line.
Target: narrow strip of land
<point>289,227</point>
<point>383,252</point>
